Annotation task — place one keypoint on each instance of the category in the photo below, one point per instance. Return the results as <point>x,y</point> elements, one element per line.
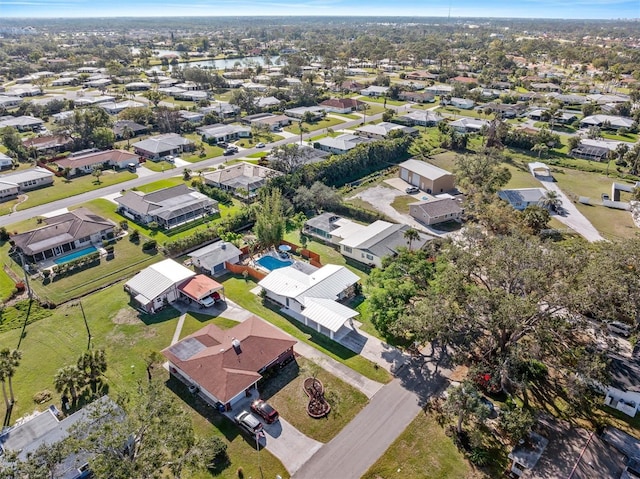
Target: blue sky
<point>594,9</point>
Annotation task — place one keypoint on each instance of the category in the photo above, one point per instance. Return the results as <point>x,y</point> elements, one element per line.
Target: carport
<point>202,290</point>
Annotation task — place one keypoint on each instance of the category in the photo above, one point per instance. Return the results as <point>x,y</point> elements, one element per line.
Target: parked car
<point>229,151</point>
<point>249,422</point>
<point>412,190</point>
<point>265,411</point>
<point>170,159</point>
<point>260,145</point>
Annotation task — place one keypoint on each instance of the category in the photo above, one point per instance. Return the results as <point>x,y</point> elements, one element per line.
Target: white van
<point>619,328</point>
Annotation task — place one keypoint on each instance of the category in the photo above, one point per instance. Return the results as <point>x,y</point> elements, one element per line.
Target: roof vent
<point>236,346</point>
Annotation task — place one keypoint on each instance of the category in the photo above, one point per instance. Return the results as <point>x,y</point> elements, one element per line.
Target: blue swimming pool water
<point>75,255</point>
<point>271,263</point>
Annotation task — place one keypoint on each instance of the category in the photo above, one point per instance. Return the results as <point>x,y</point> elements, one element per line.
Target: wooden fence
<point>239,269</point>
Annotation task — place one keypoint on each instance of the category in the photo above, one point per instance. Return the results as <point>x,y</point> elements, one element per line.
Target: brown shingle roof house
<point>226,363</point>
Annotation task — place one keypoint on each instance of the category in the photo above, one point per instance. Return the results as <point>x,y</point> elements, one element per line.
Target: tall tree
<point>69,379</point>
<point>551,201</point>
<point>411,235</point>
<point>463,402</point>
<point>270,220</point>
<point>93,364</point>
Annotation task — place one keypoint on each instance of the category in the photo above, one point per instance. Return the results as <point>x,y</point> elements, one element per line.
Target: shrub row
<point>212,192</point>
<point>72,266</point>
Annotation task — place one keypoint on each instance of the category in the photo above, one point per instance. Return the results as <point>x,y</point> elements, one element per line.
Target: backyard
<point>327,122</point>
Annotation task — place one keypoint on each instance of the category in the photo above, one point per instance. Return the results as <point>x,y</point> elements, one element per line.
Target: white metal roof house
<point>242,179</point>
<point>169,207</point>
<point>312,295</point>
<point>157,285</point>
<point>522,197</point>
<point>339,144</point>
<point>607,122</point>
<point>375,90</point>
<point>382,130</point>
<point>331,228</point>
<point>378,240</point>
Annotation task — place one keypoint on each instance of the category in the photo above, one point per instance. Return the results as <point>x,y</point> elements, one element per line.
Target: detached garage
<point>426,176</point>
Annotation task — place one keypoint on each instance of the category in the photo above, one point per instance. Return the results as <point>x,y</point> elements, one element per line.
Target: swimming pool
<point>271,263</point>
<point>75,255</point>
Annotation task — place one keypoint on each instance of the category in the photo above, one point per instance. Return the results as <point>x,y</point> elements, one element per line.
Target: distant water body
<point>226,64</point>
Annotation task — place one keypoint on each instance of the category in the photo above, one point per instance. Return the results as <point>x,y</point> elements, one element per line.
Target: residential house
<point>436,211</point>
<point>190,95</point>
<point>350,86</point>
<point>420,75</point>
<point>49,427</point>
<point>521,198</point>
<point>157,147</point>
<point>312,295</point>
<point>220,133</point>
<point>222,109</point>
<point>242,179</point>
<point>421,118</point>
<point>157,285</point>
<point>606,122</point>
<point>562,117</point>
<point>201,290</point>
<point>417,97</point>
<point>10,101</point>
<point>462,103</point>
<point>504,110</point>
<point>464,80</point>
<point>46,145</point>
<point>76,230</point>
<point>426,176</point>
<point>134,129</point>
<point>623,391</point>
<point>24,90</point>
<point>192,116</point>
<point>316,112</point>
<point>6,162</point>
<point>342,105</point>
<point>98,83</point>
<point>331,228</point>
<point>439,90</point>
<point>274,122</point>
<point>113,108</point>
<point>544,87</point>
<point>21,123</point>
<point>87,162</point>
<point>374,91</point>
<point>92,100</point>
<point>469,125</point>
<point>137,86</point>
<point>378,240</point>
<point>381,130</point>
<point>340,144</point>
<point>599,150</point>
<point>12,184</point>
<point>267,102</point>
<point>212,258</point>
<point>226,365</point>
<point>168,207</point>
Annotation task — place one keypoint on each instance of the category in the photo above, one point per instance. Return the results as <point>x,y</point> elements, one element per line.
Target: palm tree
<point>127,134</point>
<point>540,148</point>
<point>69,379</point>
<point>93,364</point>
<point>551,201</point>
<point>411,235</point>
<point>303,129</point>
<point>9,362</point>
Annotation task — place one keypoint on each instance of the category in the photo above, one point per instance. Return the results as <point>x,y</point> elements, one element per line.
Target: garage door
<point>219,267</point>
<point>404,174</point>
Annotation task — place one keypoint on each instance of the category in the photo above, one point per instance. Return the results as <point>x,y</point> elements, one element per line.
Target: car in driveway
<point>260,145</point>
<point>248,422</point>
<point>412,190</point>
<point>265,411</point>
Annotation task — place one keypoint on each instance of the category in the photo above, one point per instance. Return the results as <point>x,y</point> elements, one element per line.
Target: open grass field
<point>239,290</point>
<point>127,337</point>
<point>63,188</point>
<point>284,392</point>
<point>422,451</point>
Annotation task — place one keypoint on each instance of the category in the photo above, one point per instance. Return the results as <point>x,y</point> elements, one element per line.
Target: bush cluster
<point>73,266</point>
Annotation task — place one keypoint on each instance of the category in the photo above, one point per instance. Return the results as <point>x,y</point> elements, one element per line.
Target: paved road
<point>573,218</point>
<point>148,178</point>
<point>359,445</point>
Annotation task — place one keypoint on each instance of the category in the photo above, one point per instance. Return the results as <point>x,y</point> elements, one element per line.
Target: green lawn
<point>383,101</point>
<point>373,110</point>
<point>65,188</point>
<point>260,154</point>
<point>630,137</point>
<point>127,337</point>
<point>158,165</point>
<point>458,112</point>
<point>210,151</point>
<point>350,116</point>
<point>196,321</point>
<point>6,286</point>
<point>238,290</point>
<point>159,184</point>
<point>284,392</point>
<point>260,138</point>
<point>318,125</point>
<point>422,451</point>
<point>401,203</point>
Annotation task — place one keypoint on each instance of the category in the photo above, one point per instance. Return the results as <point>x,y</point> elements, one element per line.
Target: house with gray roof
<point>340,144</point>
<point>374,90</point>
<point>76,230</point>
<point>242,179</point>
<point>46,427</point>
<point>316,112</point>
<point>436,211</point>
<point>212,258</point>
<point>606,122</point>
<point>421,118</point>
<point>158,147</point>
<point>379,240</point>
<point>22,123</point>
<point>469,125</point>
<point>522,197</point>
<point>168,207</point>
<point>382,130</point>
<point>12,184</point>
<point>10,101</point>
<point>220,133</point>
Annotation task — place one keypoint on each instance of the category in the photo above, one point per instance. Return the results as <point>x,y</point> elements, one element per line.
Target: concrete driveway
<point>289,445</point>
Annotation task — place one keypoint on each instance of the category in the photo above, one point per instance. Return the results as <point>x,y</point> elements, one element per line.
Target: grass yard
<point>383,101</point>
<point>284,392</point>
<point>350,116</point>
<point>128,260</point>
<point>260,138</point>
<point>238,290</point>
<point>63,188</point>
<point>630,137</point>
<point>458,112</point>
<point>6,286</point>
<point>195,156</point>
<point>401,203</point>
<point>260,154</point>
<point>318,125</point>
<point>422,451</point>
<point>373,109</point>
<point>159,184</point>
<point>158,165</point>
<point>195,321</point>
<point>126,337</point>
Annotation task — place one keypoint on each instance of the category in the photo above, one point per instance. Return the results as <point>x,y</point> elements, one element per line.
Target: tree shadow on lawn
<point>166,314</point>
<point>272,383</point>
